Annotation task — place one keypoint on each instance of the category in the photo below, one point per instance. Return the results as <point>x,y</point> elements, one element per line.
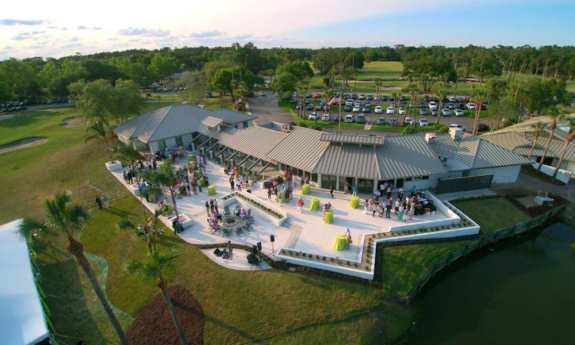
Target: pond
<point>522,293</point>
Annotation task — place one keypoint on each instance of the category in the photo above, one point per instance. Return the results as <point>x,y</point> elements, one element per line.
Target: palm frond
<point>30,227</point>
<point>77,216</point>
<point>125,224</point>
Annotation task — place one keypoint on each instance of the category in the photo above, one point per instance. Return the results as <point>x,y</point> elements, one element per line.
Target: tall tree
<point>163,65</point>
<point>479,96</point>
<point>441,94</point>
<point>98,131</point>
<point>554,114</point>
<point>378,83</point>
<point>537,128</point>
<point>568,140</point>
<point>170,178</point>
<point>69,219</point>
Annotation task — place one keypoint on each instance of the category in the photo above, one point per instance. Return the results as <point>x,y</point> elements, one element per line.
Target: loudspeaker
<point>255,249</point>
<point>259,246</point>
<point>272,238</point>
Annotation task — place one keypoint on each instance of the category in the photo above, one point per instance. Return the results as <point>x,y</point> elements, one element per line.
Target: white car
<point>423,122</point>
<point>362,96</point>
<point>356,108</point>
<point>390,111</point>
<point>378,109</point>
<point>349,102</point>
<point>408,121</point>
<point>325,117</point>
<point>451,106</point>
<point>470,106</point>
<point>445,112</point>
<point>349,118</point>
<point>455,125</point>
<point>459,112</point>
<point>312,117</point>
<point>401,111</point>
<point>432,105</point>
<point>451,98</point>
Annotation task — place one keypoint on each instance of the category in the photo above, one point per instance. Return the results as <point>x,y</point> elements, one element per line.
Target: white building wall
<point>435,178</point>
<point>500,174</point>
<point>154,147</point>
<point>170,142</point>
<point>186,138</point>
<point>565,165</point>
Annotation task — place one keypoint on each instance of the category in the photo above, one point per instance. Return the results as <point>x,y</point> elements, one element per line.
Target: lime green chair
<point>354,202</point>
<point>314,204</point>
<point>339,243</point>
<point>306,189</point>
<point>211,190</point>
<point>328,217</point>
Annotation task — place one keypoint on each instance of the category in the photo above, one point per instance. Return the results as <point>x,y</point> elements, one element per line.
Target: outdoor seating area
<point>320,223</point>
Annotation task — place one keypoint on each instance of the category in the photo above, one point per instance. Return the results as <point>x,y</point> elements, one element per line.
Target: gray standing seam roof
<point>211,121</point>
<point>349,160</point>
<point>407,156</point>
<point>301,149</point>
<point>507,140</point>
<point>352,139</point>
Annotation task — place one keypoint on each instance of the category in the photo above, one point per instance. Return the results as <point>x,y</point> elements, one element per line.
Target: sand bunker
<point>21,144</point>
<point>72,122</point>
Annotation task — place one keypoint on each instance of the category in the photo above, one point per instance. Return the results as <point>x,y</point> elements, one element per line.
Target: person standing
<point>331,190</point>
<point>388,190</point>
<point>99,202</point>
<point>216,206</point>
<point>230,250</point>
<point>300,205</point>
<point>354,190</point>
<point>208,208</point>
<point>400,194</point>
<point>397,203</point>
<point>269,194</point>
<point>388,209</point>
<point>211,205</point>
<point>347,235</point>
<point>413,190</point>
<point>105,200</point>
<point>232,185</point>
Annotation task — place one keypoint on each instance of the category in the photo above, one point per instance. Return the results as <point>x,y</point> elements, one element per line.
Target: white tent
<point>22,320</point>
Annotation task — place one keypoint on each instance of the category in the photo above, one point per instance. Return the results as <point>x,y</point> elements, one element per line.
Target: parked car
<point>319,107</point>
<point>401,111</point>
<point>445,112</point>
<point>361,96</point>
<point>336,118</point>
<point>381,121</point>
<point>367,108</point>
<point>432,105</point>
<point>370,97</point>
<point>390,111</point>
<point>422,105</point>
<point>325,117</point>
<point>312,117</point>
<point>356,108</point>
<point>309,107</point>
<point>451,106</point>
<point>316,96</point>
<point>471,106</point>
<point>384,98</point>
<point>261,93</point>
<point>354,95</point>
<point>423,112</point>
<point>459,112</point>
<point>349,118</point>
<point>434,112</point>
<point>423,122</point>
<point>455,125</point>
<point>451,98</point>
<point>408,121</point>
<point>378,109</point>
<point>360,118</point>
<point>347,108</point>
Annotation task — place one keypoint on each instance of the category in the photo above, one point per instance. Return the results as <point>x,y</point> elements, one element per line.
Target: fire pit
<point>231,221</point>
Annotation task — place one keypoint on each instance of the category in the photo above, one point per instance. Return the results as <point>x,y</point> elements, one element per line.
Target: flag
<point>335,100</point>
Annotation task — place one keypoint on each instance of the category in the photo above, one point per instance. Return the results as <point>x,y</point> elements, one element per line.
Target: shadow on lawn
<point>27,118</point>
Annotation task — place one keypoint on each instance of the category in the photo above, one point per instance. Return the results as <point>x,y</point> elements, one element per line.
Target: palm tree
<point>314,103</point>
<point>98,131</point>
<point>152,226</point>
<point>554,115</point>
<point>328,94</point>
<point>170,178</point>
<point>537,128</point>
<point>152,267</point>
<point>570,137</point>
<point>69,219</point>
<point>301,91</point>
<point>441,94</point>
<point>479,96</point>
<point>395,95</point>
<point>413,92</point>
<point>378,83</point>
<point>243,91</point>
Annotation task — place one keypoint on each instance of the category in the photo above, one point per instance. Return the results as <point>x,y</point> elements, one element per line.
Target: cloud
<point>112,38</point>
<point>143,32</point>
<point>74,39</point>
<point>206,34</point>
<point>95,28</point>
<point>32,35</point>
<point>12,22</point>
<point>64,29</point>
<point>52,27</point>
<point>243,36</point>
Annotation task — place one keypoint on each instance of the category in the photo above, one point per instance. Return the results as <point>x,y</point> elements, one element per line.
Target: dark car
<point>381,121</point>
<point>360,118</point>
<point>370,97</point>
<point>309,107</point>
<point>367,109</point>
<point>354,95</point>
<point>384,98</point>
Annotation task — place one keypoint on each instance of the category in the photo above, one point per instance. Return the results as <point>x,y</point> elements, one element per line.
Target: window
<point>179,141</point>
<point>425,177</point>
<point>246,124</point>
<point>408,179</point>
<point>328,180</point>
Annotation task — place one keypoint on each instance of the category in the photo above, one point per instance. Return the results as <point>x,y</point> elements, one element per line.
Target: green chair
<point>314,205</point>
<point>203,182</point>
<point>339,243</point>
<point>306,189</point>
<point>354,202</point>
<point>328,217</point>
<point>212,190</point>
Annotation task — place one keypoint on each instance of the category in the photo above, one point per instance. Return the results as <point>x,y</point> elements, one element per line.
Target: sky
<point>60,27</point>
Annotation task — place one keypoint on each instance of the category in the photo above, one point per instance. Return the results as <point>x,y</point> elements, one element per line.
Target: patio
<point>305,232</point>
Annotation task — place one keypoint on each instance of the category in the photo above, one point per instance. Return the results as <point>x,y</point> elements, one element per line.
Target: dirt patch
<point>72,122</point>
<point>22,143</point>
<point>154,325</point>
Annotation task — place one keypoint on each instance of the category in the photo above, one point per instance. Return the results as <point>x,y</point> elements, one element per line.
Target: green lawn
<point>491,214</point>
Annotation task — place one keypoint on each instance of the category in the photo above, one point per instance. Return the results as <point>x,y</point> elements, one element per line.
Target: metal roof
<point>301,149</point>
<point>407,156</point>
<point>555,147</point>
<point>175,120</point>
<point>211,121</point>
<point>352,139</point>
<point>490,155</point>
<point>253,141</point>
<point>507,140</point>
<point>349,160</point>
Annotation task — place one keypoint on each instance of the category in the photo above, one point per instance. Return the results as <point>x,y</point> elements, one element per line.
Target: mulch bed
<point>154,325</point>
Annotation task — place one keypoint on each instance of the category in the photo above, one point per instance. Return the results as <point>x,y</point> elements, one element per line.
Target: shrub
<point>302,124</point>
<point>316,127</point>
<point>409,130</point>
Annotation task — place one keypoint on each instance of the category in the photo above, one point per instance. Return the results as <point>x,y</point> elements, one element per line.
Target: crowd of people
<point>403,208</point>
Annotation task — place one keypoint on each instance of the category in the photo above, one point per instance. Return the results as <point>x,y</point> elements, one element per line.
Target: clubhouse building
<point>445,162</point>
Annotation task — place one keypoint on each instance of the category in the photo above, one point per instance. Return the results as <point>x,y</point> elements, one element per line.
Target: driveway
<point>266,109</point>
